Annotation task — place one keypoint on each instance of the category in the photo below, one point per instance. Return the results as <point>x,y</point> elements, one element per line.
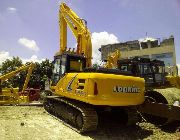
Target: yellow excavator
<point>11,95</point>
<point>78,92</point>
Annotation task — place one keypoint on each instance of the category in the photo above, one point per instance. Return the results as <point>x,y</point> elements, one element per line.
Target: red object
<point>95,89</point>
<point>32,93</point>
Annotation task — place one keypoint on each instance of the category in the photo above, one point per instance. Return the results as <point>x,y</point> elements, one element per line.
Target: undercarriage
<point>83,117</point>
<point>80,117</point>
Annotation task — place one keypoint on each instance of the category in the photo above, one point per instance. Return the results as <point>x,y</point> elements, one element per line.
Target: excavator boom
<point>15,72</point>
<point>30,69</point>
<point>79,29</point>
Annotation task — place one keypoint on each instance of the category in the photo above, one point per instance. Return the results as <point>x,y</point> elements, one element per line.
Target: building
<point>148,48</point>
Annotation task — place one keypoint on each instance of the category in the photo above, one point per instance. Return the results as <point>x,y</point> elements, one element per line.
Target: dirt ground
<point>27,123</point>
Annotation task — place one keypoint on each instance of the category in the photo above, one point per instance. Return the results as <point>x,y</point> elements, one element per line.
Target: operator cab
<point>153,71</point>
<point>66,63</point>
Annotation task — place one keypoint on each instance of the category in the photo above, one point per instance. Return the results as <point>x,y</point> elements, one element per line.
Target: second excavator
<point>12,95</point>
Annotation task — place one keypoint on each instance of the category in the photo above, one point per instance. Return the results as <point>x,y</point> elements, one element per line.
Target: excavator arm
<point>13,73</point>
<point>30,69</point>
<point>112,59</point>
<point>79,29</point>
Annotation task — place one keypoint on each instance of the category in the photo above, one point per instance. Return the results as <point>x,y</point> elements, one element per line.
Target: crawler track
<point>79,116</point>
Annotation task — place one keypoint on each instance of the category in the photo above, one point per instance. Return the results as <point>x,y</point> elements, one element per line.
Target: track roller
<point>79,116</point>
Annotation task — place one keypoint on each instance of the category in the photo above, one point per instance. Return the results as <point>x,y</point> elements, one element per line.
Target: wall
<point>155,49</point>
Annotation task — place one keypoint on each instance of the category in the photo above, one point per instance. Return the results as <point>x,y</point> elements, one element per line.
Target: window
<point>76,65</point>
<point>56,66</point>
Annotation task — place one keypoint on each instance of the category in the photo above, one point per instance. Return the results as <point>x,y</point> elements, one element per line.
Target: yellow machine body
<point>11,95</point>
<point>95,88</point>
<point>102,89</point>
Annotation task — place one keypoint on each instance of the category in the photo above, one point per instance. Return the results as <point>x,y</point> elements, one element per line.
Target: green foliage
<point>40,74</point>
<point>8,66</point>
<point>95,65</point>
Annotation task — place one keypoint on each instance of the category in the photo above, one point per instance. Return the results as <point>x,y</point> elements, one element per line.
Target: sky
<point>30,29</point>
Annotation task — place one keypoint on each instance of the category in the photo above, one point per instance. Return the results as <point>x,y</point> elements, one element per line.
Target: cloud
<point>30,44</point>
<point>6,55</point>
<point>11,9</point>
<point>33,58</point>
<point>3,56</point>
<point>98,39</point>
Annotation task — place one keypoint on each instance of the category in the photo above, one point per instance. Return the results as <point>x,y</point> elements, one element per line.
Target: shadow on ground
<point>114,128</point>
<point>172,127</point>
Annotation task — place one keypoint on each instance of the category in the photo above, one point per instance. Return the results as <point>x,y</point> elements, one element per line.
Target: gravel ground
<point>27,123</point>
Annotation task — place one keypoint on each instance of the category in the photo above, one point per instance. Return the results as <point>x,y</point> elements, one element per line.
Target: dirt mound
<point>171,94</point>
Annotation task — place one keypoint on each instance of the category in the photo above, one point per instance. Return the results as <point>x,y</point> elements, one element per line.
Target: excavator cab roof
<point>72,61</point>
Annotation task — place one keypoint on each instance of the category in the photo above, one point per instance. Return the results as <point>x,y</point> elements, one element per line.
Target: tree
<point>40,74</point>
<point>46,72</point>
<point>8,66</point>
<point>95,65</point>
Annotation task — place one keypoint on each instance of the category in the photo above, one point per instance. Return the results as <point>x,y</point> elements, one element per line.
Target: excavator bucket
<point>171,112</point>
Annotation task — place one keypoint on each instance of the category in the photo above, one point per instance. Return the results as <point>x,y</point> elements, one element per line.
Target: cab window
<point>76,65</point>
